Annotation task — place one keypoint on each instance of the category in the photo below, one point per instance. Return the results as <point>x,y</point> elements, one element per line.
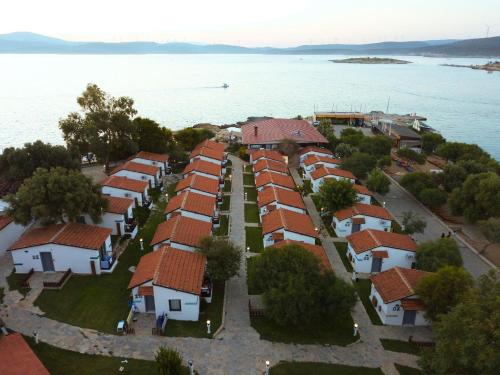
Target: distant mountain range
<point>29,43</point>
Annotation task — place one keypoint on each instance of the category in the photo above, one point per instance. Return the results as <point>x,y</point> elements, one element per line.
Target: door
<point>150,303</point>
<point>118,229</point>
<point>376,264</point>
<point>47,261</point>
<point>409,317</point>
<point>356,228</point>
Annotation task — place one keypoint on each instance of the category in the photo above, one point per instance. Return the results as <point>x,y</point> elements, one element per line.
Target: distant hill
<point>25,42</point>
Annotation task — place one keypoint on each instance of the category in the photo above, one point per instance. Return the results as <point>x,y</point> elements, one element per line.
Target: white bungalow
<point>207,154</point>
<point>193,205</point>
<point>314,162</point>
<point>170,283</point>
<point>153,159</point>
<point>9,232</point>
<point>205,169</point>
<point>282,224</point>
<point>255,156</point>
<point>266,165</point>
<point>393,296</point>
<point>86,249</point>
<point>199,185</point>
<point>181,232</point>
<point>364,195</point>
<point>322,173</point>
<point>138,171</point>
<point>372,251</point>
<point>127,188</point>
<point>274,179</point>
<point>359,217</point>
<point>272,198</point>
<point>313,151</point>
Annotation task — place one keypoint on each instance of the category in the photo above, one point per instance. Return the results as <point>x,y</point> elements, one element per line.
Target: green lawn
<point>100,301</point>
<point>314,368</point>
<point>64,362</point>
<point>400,346</point>
<point>254,239</point>
<point>210,311</point>
<point>14,280</point>
<point>223,230</point>
<point>251,194</point>
<point>248,168</point>
<point>363,287</point>
<point>248,179</point>
<point>342,250</point>
<point>252,213</point>
<point>405,370</point>
<point>252,290</point>
<point>226,203</point>
<point>228,171</point>
<point>227,186</point>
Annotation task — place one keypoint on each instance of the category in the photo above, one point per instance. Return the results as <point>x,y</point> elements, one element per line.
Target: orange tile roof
<point>415,304</point>
<point>267,154</point>
<point>369,239</point>
<point>192,202</point>
<point>118,205</point>
<point>365,210</point>
<point>203,167</point>
<point>197,182</point>
<point>137,167</point>
<point>361,189</point>
<point>71,234</point>
<point>163,158</point>
<point>183,230</point>
<point>274,194</point>
<point>146,291</point>
<point>145,269</point>
<point>315,159</point>
<point>397,283</point>
<point>290,221</point>
<point>125,183</point>
<point>316,250</point>
<point>208,153</point>
<point>276,130</point>
<point>274,178</point>
<point>211,144</point>
<point>317,149</point>
<point>17,358</point>
<point>323,171</point>
<point>270,165</point>
<point>4,221</point>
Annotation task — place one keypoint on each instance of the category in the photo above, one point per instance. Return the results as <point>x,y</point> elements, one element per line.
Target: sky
<point>278,23</point>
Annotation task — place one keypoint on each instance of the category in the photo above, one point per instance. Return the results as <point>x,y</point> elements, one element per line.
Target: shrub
<point>384,161</point>
<point>433,255</point>
<point>360,164</point>
<point>410,154</point>
<point>417,181</point>
<point>378,182</point>
<point>169,361</point>
<point>432,197</point>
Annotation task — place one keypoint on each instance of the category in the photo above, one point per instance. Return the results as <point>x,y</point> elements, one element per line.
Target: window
<point>174,304</point>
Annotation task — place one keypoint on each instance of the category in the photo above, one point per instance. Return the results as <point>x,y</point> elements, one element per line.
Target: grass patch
<point>228,171</point>
<point>227,186</point>
<point>248,168</point>
<point>141,215</point>
<point>405,370</point>
<point>253,239</point>
<point>208,311</point>
<point>335,330</point>
<point>251,264</point>
<point>363,287</point>
<point>249,179</point>
<point>315,368</point>
<point>252,213</point>
<point>251,194</point>
<point>14,280</point>
<point>223,229</point>
<point>342,250</point>
<point>400,346</point>
<point>226,203</point>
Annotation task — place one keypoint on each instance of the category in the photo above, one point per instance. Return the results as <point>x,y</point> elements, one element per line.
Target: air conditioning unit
<point>128,195</point>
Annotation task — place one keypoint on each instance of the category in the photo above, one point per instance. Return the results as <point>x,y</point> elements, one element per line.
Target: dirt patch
<point>95,172</point>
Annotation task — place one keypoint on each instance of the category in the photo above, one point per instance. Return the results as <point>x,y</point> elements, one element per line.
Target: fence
<point>254,311</point>
<point>26,282</point>
<point>58,284</point>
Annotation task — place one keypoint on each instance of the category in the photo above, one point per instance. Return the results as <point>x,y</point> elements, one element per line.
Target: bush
<point>335,194</point>
<point>433,255</point>
<point>491,229</point>
<point>243,154</point>
<point>430,141</point>
<point>412,223</point>
<point>344,150</point>
<point>169,361</point>
<point>410,154</point>
<point>378,146</point>
<point>360,164</point>
<point>432,197</point>
<point>223,258</point>
<point>378,182</point>
<point>417,181</point>
<point>384,161</point>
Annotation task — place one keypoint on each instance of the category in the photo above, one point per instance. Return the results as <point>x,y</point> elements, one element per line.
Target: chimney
<point>255,130</point>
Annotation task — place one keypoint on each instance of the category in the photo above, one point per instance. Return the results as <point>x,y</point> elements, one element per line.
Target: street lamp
<point>142,244</point>
<point>191,368</point>
<point>267,367</point>
<point>35,335</point>
<point>248,249</point>
<point>208,328</point>
<point>383,204</point>
<point>355,332</point>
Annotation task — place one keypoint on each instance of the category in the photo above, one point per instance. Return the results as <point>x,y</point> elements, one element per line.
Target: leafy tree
<point>169,361</point>
<point>345,150</point>
<point>433,255</point>
<point>351,136</point>
<point>243,153</point>
<point>325,127</point>
<point>443,290</point>
<point>384,161</point>
<point>360,164</point>
<point>491,229</point>
<point>335,194</point>
<point>51,196</point>
<point>412,223</point>
<point>432,197</point>
<point>223,258</point>
<point>415,182</point>
<point>378,182</point>
<point>189,138</point>
<point>104,125</point>
<point>410,154</point>
<point>455,151</point>
<point>430,141</point>
<point>378,146</point>
<point>150,136</point>
<point>289,147</point>
<point>475,167</point>
<point>453,176</point>
<point>467,337</point>
<point>478,198</point>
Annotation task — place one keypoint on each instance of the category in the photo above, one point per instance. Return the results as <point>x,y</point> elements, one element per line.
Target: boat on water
<point>225,86</point>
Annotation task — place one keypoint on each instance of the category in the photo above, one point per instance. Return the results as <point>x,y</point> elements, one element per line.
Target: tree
<point>443,290</point>
<point>378,146</point>
<point>415,182</point>
<point>433,255</point>
<point>478,198</point>
<point>384,161</point>
<point>453,176</point>
<point>410,154</point>
<point>344,150</point>
<point>169,361</point>
<point>360,164</point>
<point>432,197</point>
<point>412,223</point>
<point>223,258</point>
<point>491,229</point>
<point>52,196</point>
<point>455,151</point>
<point>189,138</point>
<point>150,136</point>
<point>104,125</point>
<point>467,337</point>
<point>378,182</point>
<point>335,195</point>
<point>325,128</point>
<point>351,136</point>
<point>289,147</point>
<point>430,141</point>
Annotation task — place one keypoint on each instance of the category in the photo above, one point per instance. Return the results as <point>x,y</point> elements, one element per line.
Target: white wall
<point>210,160</point>
<point>265,209</point>
<point>362,262</point>
<point>138,176</point>
<point>272,171</point>
<point>3,205</point>
<point>288,236</point>
<point>197,192</point>
<point>120,193</point>
<point>158,164</point>
<point>10,234</point>
<point>344,228</point>
<point>190,304</point>
<point>304,156</point>
<point>140,301</point>
<point>191,215</point>
<point>271,184</point>
<point>202,174</point>
<point>363,198</point>
<point>175,245</point>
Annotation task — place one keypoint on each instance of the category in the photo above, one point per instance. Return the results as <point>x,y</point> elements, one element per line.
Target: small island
<point>370,60</point>
<point>492,66</point>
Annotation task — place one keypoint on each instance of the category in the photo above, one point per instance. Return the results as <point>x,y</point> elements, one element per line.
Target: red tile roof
<point>4,221</point>
<point>197,182</point>
<point>17,358</point>
<point>125,183</point>
<point>323,171</point>
<point>361,189</point>
<point>365,210</point>
<point>318,251</point>
<point>415,304</point>
<point>315,159</point>
<point>317,149</point>
<point>203,166</point>
<point>290,221</point>
<point>267,154</point>
<point>118,205</point>
<point>163,158</point>
<point>369,239</point>
<point>71,234</point>
<point>275,130</point>
<point>182,230</point>
<point>273,194</point>
<point>208,153</point>
<point>211,144</point>
<point>192,202</point>
<point>137,167</point>
<point>171,268</point>
<point>397,283</point>
<point>270,165</point>
<point>274,178</point>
